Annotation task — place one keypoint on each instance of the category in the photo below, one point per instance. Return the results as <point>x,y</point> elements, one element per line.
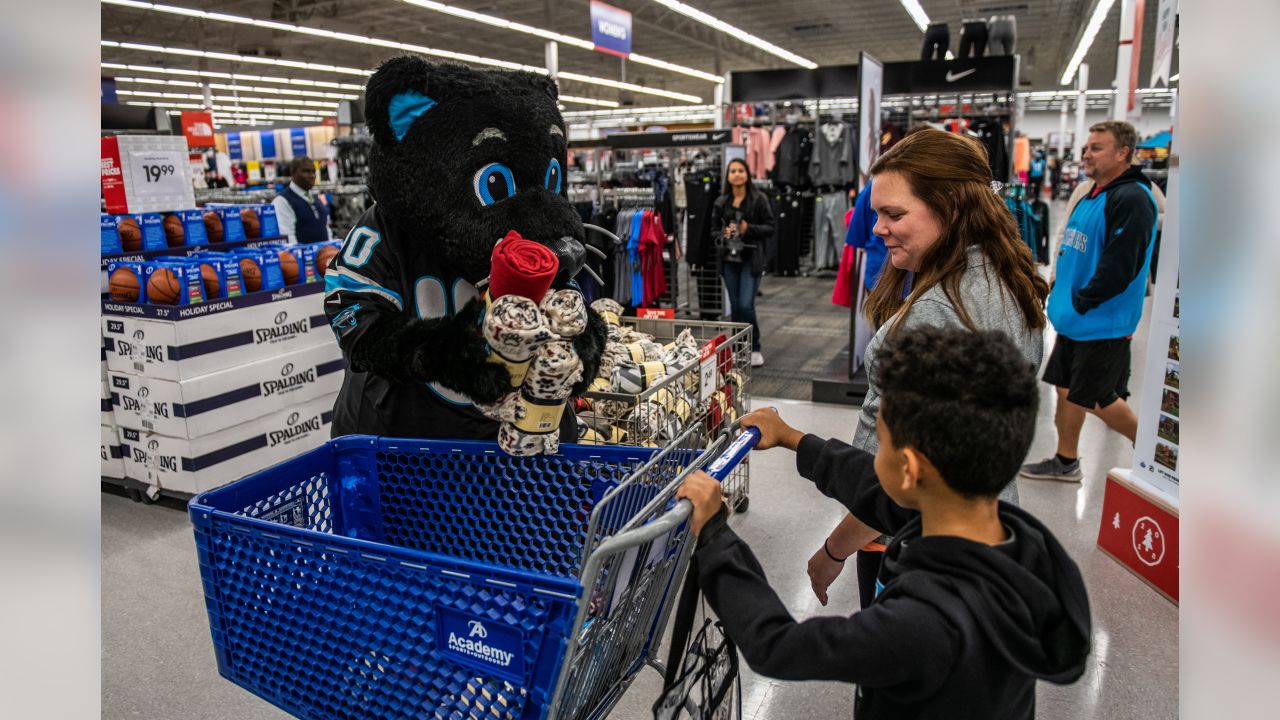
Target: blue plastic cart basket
<point>388,578</point>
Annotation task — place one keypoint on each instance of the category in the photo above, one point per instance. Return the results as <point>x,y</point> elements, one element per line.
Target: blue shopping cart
<point>389,578</point>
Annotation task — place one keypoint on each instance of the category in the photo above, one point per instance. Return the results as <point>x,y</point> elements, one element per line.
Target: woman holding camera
<point>743,223</point>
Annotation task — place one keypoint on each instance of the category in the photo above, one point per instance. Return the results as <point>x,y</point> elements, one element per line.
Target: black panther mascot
<point>460,157</point>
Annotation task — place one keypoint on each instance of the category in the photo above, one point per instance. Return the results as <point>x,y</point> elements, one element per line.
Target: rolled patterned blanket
<point>521,267</point>
<point>541,401</point>
<point>515,328</point>
<point>566,312</point>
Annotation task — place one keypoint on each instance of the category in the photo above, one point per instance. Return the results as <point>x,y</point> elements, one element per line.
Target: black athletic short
<point>1094,372</point>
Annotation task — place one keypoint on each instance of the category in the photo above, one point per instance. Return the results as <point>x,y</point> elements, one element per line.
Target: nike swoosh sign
<point>717,137</point>
<point>952,77</point>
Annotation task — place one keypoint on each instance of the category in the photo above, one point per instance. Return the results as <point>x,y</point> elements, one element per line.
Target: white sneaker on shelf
<point>757,359</point>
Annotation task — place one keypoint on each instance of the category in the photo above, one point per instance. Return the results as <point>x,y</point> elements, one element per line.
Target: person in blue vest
<point>303,216</point>
<point>1035,177</point>
<point>1096,300</point>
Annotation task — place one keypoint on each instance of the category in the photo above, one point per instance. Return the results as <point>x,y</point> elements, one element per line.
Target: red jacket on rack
<point>652,239</point>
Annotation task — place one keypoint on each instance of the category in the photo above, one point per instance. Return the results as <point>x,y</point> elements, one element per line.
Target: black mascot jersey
<point>379,274</point>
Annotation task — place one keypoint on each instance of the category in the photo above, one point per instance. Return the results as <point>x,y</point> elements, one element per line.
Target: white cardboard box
<point>179,342</point>
<point>107,416</point>
<point>112,462</point>
<point>194,466</point>
<point>208,403</point>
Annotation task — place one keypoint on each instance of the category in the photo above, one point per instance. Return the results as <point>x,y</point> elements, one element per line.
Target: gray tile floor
<point>157,656</point>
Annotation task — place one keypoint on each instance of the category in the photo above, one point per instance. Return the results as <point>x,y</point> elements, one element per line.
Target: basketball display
<point>163,287</point>
<point>209,276</point>
<point>123,285</point>
<point>130,234</point>
<point>212,227</point>
<point>173,231</point>
<point>289,267</point>
<point>252,226</point>
<point>250,274</point>
<point>324,256</point>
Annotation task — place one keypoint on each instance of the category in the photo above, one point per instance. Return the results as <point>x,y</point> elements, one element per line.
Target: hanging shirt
<point>832,160</point>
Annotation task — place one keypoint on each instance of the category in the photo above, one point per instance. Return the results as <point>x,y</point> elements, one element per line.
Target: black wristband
<point>827,550</point>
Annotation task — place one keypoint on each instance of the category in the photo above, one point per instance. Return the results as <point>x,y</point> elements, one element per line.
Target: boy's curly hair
<point>966,400</point>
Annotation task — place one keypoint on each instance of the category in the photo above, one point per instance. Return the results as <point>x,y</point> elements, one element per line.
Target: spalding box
<point>225,269</point>
<point>194,466</point>
<point>107,412</point>
<point>232,226</point>
<point>182,271</point>
<point>267,222</point>
<point>152,227</point>
<point>112,453</point>
<point>209,403</point>
<point>127,273</point>
<point>181,342</point>
<point>110,236</point>
<point>268,262</point>
<point>193,230</point>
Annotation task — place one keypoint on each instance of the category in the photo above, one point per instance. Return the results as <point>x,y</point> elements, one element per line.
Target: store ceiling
<point>825,31</point>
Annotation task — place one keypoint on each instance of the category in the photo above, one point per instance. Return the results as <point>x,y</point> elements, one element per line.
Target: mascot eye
<point>494,183</point>
<point>552,182</point>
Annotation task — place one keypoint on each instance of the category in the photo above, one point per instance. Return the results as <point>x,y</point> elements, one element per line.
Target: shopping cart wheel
<point>741,503</point>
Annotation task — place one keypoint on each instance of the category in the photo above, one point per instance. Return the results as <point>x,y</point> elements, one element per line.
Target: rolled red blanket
<point>521,267</point>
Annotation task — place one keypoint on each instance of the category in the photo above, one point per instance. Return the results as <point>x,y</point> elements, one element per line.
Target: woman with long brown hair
<point>955,259</point>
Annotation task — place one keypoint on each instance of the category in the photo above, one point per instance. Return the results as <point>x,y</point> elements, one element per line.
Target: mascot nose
<point>572,256</point>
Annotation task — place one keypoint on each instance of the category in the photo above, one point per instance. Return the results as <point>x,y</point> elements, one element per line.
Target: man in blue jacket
<point>1096,300</point>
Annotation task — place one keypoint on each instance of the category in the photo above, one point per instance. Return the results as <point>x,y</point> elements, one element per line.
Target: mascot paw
<point>488,383</point>
<point>452,352</point>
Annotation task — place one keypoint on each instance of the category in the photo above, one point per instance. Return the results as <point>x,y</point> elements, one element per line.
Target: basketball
<point>130,234</point>
<point>163,287</point>
<point>252,227</point>
<point>288,267</point>
<point>209,277</point>
<point>250,274</point>
<point>213,226</point>
<point>173,232</point>
<point>324,256</point>
<point>123,285</point>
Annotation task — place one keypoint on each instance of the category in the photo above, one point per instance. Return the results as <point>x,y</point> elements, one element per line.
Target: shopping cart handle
<point>734,454</point>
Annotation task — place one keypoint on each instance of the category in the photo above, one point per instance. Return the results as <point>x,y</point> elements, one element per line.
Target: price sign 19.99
<point>158,173</point>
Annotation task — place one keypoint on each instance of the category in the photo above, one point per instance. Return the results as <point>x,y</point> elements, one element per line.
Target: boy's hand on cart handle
<point>704,492</point>
<point>774,431</point>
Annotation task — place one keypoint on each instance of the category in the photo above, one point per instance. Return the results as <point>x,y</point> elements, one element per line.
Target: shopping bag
<point>702,680</point>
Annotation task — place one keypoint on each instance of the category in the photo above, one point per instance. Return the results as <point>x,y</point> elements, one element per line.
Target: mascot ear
<point>396,96</point>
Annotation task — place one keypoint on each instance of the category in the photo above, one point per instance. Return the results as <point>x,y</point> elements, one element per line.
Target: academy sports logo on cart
<point>481,643</point>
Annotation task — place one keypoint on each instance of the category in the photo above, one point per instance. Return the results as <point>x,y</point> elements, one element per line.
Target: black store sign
<point>990,74</point>
<point>667,139</point>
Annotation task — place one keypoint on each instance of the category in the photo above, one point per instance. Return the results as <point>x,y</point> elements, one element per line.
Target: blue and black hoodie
<point>1103,261</point>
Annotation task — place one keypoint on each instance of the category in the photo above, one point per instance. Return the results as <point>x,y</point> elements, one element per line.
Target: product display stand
<point>1139,526</point>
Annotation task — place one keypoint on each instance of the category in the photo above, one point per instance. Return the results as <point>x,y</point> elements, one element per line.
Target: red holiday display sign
<point>1140,531</point>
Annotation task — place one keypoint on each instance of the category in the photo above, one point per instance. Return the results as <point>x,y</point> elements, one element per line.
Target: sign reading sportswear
<point>481,643</point>
<point>610,29</point>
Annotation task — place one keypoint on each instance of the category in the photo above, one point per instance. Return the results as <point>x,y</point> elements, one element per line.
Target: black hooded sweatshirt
<point>959,629</point>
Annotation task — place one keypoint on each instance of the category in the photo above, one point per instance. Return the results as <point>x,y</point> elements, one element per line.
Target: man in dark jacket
<point>1096,301</point>
<point>975,600</point>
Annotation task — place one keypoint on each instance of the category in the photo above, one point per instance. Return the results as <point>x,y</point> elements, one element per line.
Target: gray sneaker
<point>1052,469</point>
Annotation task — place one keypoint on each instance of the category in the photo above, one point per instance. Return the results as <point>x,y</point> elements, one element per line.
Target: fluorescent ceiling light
<point>628,86</point>
<point>557,37</point>
<point>737,33</point>
<point>1086,40</point>
<point>1174,78</point>
<point>348,37</point>
<point>244,110</point>
<point>917,13</point>
<point>231,98</point>
<point>588,101</point>
<point>239,88</point>
<point>638,110</point>
<point>232,76</point>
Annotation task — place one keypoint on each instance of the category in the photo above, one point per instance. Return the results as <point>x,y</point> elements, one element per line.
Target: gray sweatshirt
<point>990,307</point>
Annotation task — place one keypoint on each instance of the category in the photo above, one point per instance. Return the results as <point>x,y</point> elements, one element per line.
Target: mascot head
<point>462,156</point>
